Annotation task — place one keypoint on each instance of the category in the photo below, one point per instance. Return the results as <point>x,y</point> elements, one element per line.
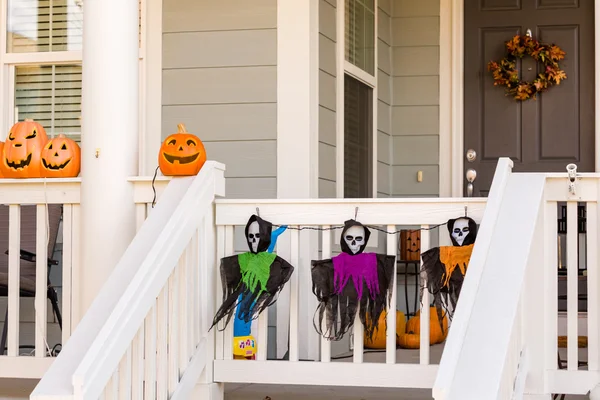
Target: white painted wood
<point>14,273</point>
<point>425,301</point>
<point>112,94</point>
<point>133,287</point>
<point>173,327</point>
<point>125,377</point>
<point>551,284</point>
<point>262,338</point>
<point>573,382</point>
<point>390,344</point>
<point>597,77</point>
<point>67,265</point>
<point>572,266</point>
<point>294,294</point>
<point>445,99</point>
<point>75,267</point>
<point>140,215</point>
<point>319,373</point>
<point>193,370</point>
<point>19,367</point>
<point>325,254</point>
<point>479,368</point>
<point>358,332</point>
<point>162,337</point>
<point>457,335</point>
<point>137,364</point>
<point>221,249</point>
<point>228,333</point>
<point>382,211</point>
<point>41,280</point>
<point>186,318</point>
<point>150,353</point>
<point>593,289</point>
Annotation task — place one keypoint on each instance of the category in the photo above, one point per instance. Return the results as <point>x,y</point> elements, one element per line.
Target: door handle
<point>470,175</point>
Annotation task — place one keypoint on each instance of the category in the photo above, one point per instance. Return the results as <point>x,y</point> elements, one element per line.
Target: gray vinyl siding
<point>415,106</point>
<point>327,98</point>
<point>384,98</point>
<point>220,80</point>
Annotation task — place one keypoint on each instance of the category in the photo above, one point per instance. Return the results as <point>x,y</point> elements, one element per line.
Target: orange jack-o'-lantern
<point>61,158</point>
<point>22,150</point>
<point>410,245</point>
<point>181,153</point>
<point>1,156</point>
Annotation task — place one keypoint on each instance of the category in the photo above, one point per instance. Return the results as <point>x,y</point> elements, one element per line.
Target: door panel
<point>544,134</point>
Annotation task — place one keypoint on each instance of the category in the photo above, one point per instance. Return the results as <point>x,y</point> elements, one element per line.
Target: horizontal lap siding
<point>415,87</point>
<point>220,80</point>
<point>327,98</point>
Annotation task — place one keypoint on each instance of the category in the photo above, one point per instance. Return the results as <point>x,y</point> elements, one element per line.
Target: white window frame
<point>345,67</point>
<point>9,61</point>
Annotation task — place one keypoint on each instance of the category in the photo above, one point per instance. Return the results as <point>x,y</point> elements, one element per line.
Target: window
<point>358,89</point>
<point>358,135</point>
<point>360,34</point>
<point>40,60</point>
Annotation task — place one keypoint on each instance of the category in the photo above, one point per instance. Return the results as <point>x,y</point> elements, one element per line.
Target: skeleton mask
<point>254,235</point>
<point>355,238</point>
<point>460,230</point>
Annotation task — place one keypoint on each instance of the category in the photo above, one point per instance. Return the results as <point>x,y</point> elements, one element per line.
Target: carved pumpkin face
<point>181,154</point>
<point>22,150</point>
<point>61,158</point>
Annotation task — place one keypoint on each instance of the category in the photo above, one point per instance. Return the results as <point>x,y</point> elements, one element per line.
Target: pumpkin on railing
<point>28,153</point>
<point>61,158</point>
<point>181,154</point>
<point>22,150</point>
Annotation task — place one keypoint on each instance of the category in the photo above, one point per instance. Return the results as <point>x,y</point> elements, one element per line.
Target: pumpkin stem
<point>27,120</point>
<point>181,128</point>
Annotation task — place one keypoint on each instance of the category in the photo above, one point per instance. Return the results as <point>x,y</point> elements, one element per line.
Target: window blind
<point>50,95</point>
<point>44,25</point>
<point>360,34</point>
<point>358,139</point>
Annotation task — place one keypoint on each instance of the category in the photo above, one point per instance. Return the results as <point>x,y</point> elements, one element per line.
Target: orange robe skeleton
<point>445,266</point>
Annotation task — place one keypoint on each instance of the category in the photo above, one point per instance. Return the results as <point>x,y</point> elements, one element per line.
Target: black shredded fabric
<point>252,303</point>
<point>435,271</point>
<point>338,310</point>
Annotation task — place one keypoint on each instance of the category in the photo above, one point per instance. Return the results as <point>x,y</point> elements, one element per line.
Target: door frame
<point>452,96</point>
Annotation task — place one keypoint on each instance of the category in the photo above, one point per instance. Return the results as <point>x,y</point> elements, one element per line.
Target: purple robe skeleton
<point>351,282</point>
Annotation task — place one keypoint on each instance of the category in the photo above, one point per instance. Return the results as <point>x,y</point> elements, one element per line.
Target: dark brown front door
<point>538,135</point>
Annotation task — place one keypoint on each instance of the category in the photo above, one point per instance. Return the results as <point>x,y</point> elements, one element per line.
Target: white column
<point>297,149</point>
<point>109,139</point>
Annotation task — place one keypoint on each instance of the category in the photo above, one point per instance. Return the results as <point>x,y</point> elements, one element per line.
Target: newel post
<point>109,140</point>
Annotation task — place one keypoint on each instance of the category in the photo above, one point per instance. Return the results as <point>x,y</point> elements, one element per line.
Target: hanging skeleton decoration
<point>252,279</point>
<point>445,266</point>
<point>351,282</point>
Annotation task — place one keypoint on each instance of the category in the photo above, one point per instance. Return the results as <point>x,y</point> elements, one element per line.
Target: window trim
<point>343,68</point>
<point>149,88</point>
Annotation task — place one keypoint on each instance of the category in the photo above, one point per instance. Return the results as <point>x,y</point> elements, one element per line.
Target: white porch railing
<point>36,202</point>
<point>145,335</point>
<point>504,339</point>
<point>299,303</point>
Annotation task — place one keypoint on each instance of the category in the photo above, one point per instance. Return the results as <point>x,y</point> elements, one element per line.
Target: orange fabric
<point>453,256</point>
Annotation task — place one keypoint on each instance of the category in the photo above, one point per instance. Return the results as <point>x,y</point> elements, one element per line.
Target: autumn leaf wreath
<point>506,74</point>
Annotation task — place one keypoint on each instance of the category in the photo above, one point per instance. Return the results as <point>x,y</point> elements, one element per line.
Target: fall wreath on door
<point>506,74</point>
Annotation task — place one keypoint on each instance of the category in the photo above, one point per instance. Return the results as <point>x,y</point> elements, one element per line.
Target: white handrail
<point>98,344</point>
<point>478,369</point>
<point>456,335</point>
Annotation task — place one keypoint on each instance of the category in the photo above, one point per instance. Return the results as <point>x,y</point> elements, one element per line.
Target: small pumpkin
<point>1,156</point>
<point>23,149</point>
<point>413,326</point>
<point>61,158</point>
<point>181,154</point>
<point>409,341</point>
<point>378,341</point>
